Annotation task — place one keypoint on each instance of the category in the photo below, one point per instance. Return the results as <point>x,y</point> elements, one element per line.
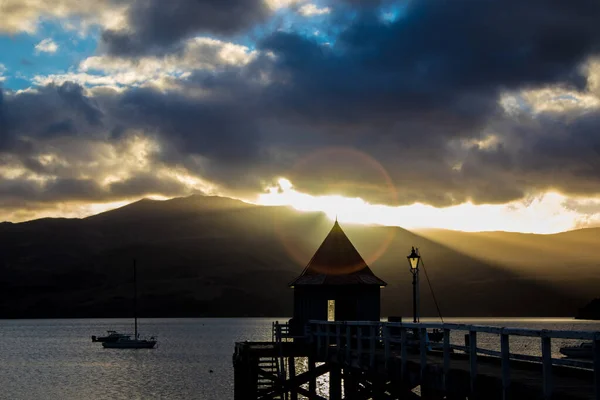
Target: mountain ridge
<point>212,256</point>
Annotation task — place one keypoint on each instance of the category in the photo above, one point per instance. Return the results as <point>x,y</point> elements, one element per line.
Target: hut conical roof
<point>337,262</point>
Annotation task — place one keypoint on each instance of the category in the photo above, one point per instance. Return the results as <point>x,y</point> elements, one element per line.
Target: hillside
<point>210,256</point>
<point>568,261</point>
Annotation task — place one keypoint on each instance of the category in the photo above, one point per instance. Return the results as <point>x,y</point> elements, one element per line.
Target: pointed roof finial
<point>335,217</point>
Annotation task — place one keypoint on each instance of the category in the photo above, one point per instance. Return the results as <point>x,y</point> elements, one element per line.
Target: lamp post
<point>413,260</point>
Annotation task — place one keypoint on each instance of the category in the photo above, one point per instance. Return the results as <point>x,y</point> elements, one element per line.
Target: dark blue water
<point>56,359</point>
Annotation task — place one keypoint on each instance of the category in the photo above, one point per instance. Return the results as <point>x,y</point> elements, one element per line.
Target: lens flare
<point>337,207</point>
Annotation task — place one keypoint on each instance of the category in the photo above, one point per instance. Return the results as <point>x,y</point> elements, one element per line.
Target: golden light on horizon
<point>546,214</point>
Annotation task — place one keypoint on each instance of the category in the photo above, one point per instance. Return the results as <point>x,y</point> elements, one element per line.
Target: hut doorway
<point>330,310</point>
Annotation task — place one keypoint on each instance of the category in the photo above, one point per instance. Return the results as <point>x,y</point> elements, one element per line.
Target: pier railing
<point>280,332</point>
<point>365,339</point>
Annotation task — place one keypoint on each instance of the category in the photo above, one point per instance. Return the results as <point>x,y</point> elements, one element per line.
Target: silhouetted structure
<point>590,311</point>
<point>388,360</point>
<point>337,284</point>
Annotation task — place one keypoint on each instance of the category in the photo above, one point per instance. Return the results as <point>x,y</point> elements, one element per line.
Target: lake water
<point>56,359</point>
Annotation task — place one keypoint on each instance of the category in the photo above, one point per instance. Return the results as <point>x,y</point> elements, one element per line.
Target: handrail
<point>363,337</point>
<point>551,333</point>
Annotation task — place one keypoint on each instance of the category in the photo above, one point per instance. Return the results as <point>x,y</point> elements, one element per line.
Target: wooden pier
<point>391,360</point>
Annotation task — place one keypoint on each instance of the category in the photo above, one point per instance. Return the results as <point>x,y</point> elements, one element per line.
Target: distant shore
<point>280,318</point>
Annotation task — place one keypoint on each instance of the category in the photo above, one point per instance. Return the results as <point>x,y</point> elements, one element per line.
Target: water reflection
<point>55,359</point>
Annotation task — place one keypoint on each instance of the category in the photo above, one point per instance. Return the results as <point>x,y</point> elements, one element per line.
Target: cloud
<point>278,4</point>
<point>48,112</point>
<point>557,99</point>
<point>3,70</point>
<point>549,151</point>
<point>440,106</point>
<point>25,16</point>
<point>153,26</point>
<point>78,170</point>
<point>46,46</point>
<point>199,53</point>
<point>310,9</point>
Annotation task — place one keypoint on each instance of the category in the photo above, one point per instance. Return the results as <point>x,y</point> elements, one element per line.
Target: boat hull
<point>576,352</point>
<point>112,336</point>
<point>130,344</point>
<point>103,339</point>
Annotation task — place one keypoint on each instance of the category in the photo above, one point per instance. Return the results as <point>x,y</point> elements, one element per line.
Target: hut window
<point>330,310</point>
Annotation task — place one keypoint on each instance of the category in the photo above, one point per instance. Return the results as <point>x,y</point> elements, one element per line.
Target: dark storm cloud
<point>49,192</point>
<point>155,25</point>
<point>444,60</point>
<point>144,184</point>
<point>16,194</point>
<point>220,129</point>
<point>556,151</point>
<point>405,93</point>
<point>51,110</point>
<point>433,75</point>
<point>223,129</point>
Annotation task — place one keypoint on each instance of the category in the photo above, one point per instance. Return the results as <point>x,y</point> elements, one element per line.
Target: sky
<point>471,114</point>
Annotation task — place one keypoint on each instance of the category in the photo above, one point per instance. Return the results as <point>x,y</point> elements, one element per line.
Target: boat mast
<point>135,298</point>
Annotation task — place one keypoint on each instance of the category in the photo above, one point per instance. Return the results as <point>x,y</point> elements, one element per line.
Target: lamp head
<point>413,260</point>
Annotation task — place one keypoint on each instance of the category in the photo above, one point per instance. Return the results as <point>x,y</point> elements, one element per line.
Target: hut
<point>336,285</point>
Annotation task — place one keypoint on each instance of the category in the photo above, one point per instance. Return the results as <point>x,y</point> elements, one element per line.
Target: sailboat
<point>112,336</point>
<point>127,342</point>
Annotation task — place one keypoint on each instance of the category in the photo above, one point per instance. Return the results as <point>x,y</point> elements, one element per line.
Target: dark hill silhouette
<point>590,310</point>
<point>212,256</point>
<point>568,261</point>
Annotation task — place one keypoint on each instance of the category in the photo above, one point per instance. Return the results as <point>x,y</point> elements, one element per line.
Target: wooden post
<point>335,383</point>
<point>242,384</point>
<point>319,339</point>
<point>348,344</point>
<point>312,383</point>
<point>359,344</point>
<point>372,346</point>
<point>327,339</point>
<point>423,351</point>
<point>597,368</point>
<point>252,379</point>
<point>403,354</point>
<point>473,359</point>
<point>505,352</point>
<point>446,359</point>
<point>547,366</point>
<point>425,384</point>
<point>292,369</point>
<point>350,384</point>
<point>386,344</point>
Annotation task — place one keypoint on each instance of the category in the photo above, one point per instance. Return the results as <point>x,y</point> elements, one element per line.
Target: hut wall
<point>352,303</point>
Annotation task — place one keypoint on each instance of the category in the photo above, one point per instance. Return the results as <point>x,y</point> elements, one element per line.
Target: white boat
<point>127,342</point>
<point>584,350</point>
<point>112,336</point>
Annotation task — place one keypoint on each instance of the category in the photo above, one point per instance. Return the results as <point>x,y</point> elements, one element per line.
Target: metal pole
<point>135,298</point>
<point>418,297</point>
<point>414,282</point>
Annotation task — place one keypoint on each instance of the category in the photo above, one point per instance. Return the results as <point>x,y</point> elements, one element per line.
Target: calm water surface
<point>55,359</point>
